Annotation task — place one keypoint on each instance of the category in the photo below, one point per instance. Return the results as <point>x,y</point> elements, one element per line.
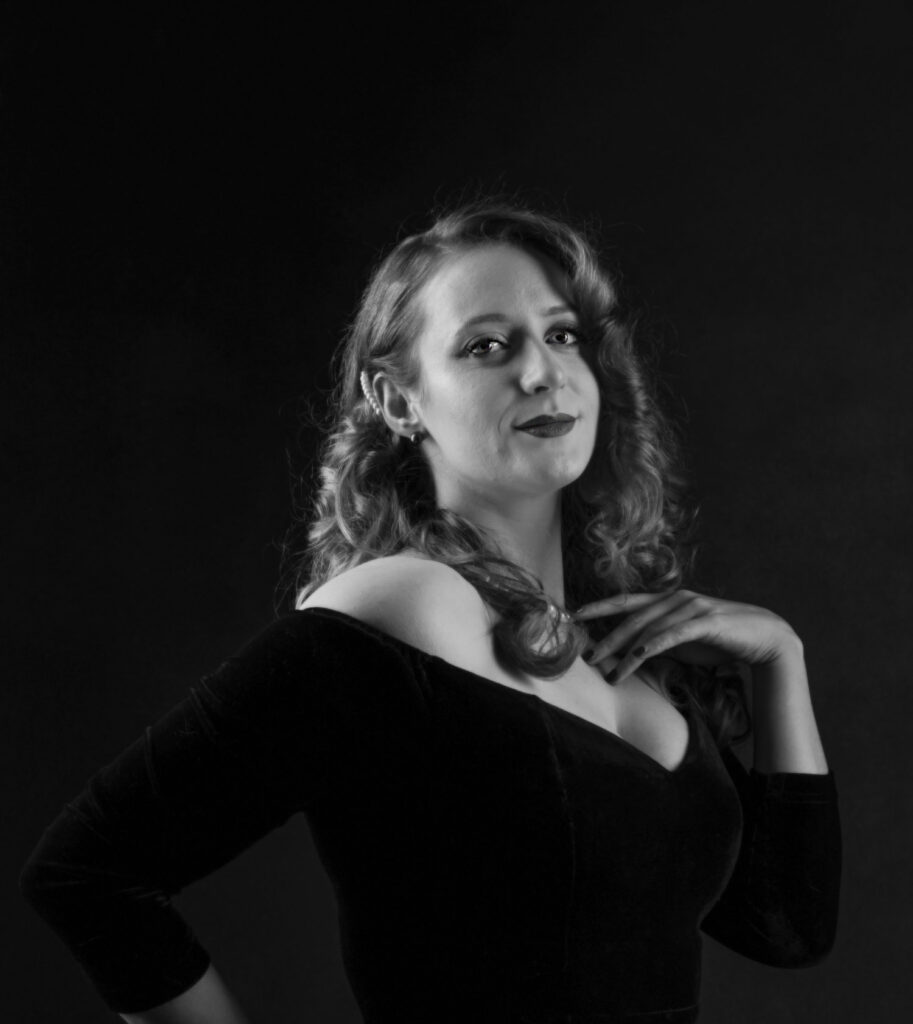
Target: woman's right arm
<point>302,716</point>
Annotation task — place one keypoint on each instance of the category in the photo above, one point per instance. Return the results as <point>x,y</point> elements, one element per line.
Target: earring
<point>418,437</point>
<point>369,394</point>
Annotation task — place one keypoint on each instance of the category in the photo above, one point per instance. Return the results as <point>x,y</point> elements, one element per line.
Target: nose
<point>541,368</point>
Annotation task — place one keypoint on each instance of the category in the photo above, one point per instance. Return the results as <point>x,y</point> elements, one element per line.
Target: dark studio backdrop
<point>190,206</point>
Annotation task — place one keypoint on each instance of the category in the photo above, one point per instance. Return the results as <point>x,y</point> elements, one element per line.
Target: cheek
<point>588,388</point>
<point>593,406</point>
<point>468,408</point>
<point>462,411</point>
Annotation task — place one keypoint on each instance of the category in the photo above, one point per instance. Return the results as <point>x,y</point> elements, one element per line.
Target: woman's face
<point>500,344</point>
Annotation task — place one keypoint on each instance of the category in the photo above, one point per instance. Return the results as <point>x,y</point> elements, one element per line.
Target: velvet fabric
<point>494,857</point>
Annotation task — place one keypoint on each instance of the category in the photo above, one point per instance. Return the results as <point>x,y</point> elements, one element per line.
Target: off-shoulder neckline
<point>488,682</point>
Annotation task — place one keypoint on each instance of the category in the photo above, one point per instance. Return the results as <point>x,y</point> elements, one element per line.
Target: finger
<point>617,605</point>
<point>646,644</point>
<point>623,641</point>
<point>604,667</point>
<point>620,637</point>
<point>673,636</point>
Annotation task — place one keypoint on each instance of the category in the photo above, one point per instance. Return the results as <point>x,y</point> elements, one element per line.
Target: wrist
<point>783,673</point>
<point>787,650</point>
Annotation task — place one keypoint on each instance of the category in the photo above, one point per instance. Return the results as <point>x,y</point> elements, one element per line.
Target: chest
<point>632,709</point>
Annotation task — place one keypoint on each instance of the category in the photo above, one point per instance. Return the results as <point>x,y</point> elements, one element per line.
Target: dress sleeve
<point>303,714</point>
<point>780,904</point>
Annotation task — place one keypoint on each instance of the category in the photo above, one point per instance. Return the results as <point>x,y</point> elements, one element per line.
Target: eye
<point>567,336</point>
<point>487,340</point>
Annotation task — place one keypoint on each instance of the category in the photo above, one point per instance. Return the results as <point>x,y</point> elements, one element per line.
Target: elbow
<point>39,883</point>
<point>57,879</point>
<point>70,863</point>
<point>775,938</point>
<point>812,949</point>
<point>802,947</point>
<point>32,883</point>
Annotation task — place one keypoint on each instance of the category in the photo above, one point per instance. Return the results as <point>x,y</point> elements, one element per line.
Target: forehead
<point>496,278</point>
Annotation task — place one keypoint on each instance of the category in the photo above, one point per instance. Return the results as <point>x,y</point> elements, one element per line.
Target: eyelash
<point>490,337</point>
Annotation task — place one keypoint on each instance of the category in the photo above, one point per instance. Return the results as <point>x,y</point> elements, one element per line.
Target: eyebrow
<point>501,318</point>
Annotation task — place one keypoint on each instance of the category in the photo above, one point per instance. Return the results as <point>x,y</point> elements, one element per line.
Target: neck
<point>528,531</point>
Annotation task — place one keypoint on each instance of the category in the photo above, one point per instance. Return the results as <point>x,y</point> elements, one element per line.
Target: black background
<point>191,201</point>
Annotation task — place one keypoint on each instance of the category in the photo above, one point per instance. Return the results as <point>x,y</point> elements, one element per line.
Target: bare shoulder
<point>414,598</point>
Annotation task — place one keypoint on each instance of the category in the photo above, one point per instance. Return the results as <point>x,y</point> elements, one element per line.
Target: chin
<point>556,481</point>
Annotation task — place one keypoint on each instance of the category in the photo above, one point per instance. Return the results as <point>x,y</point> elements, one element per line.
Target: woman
<point>510,838</point>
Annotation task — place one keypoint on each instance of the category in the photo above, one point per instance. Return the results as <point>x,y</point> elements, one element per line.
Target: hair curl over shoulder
<point>625,521</point>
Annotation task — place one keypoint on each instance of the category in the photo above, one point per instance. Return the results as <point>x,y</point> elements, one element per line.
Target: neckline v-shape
<point>523,694</point>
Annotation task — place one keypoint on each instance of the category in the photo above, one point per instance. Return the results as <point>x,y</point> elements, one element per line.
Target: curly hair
<point>625,521</point>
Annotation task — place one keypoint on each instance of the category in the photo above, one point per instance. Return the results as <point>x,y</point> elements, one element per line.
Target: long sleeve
<point>303,714</point>
<point>781,902</point>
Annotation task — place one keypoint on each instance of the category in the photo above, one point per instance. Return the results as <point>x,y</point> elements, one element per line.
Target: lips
<point>538,421</point>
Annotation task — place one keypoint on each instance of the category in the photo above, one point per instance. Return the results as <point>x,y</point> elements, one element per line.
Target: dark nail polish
<point>612,676</point>
<point>639,652</point>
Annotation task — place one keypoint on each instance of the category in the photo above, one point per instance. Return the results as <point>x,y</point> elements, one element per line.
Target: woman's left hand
<point>699,630</point>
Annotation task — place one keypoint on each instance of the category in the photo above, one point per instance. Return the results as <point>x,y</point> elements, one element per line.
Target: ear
<point>397,405</point>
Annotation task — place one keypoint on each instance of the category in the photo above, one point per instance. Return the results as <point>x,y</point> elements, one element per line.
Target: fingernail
<point>612,676</point>
<point>639,652</point>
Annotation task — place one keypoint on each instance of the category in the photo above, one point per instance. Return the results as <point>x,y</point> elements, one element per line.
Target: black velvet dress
<point>494,857</point>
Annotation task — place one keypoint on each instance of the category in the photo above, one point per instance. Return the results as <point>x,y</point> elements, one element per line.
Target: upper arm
<point>420,601</point>
<point>300,717</point>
